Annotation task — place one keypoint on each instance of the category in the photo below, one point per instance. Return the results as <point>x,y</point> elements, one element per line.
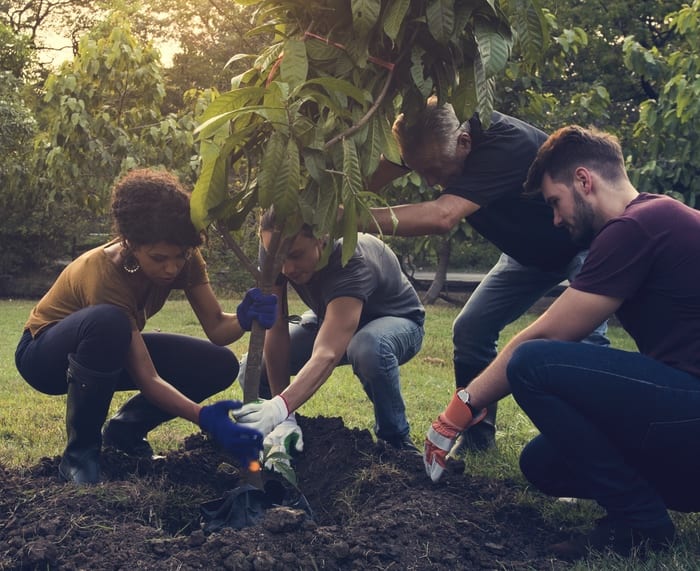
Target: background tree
<point>103,116</point>
<point>586,80</point>
<point>666,137</point>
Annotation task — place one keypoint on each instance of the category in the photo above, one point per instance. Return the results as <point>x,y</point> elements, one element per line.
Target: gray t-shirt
<point>373,275</point>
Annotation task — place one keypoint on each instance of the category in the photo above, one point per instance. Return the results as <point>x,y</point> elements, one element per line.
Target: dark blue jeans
<point>615,426</point>
<point>99,337</point>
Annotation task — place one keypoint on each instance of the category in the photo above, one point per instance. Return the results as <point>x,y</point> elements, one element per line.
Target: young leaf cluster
<point>312,115</point>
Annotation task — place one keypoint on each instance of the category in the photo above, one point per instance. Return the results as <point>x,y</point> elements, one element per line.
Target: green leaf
<point>352,180</point>
<point>424,86</point>
<point>349,230</point>
<point>371,152</point>
<point>295,66</point>
<point>464,95</point>
<point>272,169</point>
<point>494,48</point>
<point>390,146</point>
<point>441,19</point>
<point>209,191</point>
<point>286,199</point>
<point>232,100</point>
<point>365,14</point>
<point>395,14</point>
<point>531,29</point>
<point>485,88</point>
<point>326,208</point>
<point>332,85</point>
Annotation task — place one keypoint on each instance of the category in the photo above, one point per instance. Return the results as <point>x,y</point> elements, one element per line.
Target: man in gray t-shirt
<point>364,313</point>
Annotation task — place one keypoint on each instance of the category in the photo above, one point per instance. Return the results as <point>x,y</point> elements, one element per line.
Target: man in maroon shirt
<point>617,427</point>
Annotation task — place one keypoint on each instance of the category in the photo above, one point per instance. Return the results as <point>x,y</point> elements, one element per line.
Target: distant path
<point>465,281</point>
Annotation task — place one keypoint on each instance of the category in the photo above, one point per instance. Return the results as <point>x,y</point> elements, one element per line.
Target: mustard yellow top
<point>93,279</point>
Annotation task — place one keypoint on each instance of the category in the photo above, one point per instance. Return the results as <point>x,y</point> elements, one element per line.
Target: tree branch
<point>240,254</point>
<point>366,117</point>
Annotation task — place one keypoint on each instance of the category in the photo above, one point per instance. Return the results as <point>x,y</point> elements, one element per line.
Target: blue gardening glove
<point>243,442</point>
<point>259,306</point>
<point>263,415</point>
<point>443,433</point>
<point>286,438</point>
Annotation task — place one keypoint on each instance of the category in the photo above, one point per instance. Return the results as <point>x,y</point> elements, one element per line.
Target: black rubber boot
<point>127,429</point>
<point>89,395</point>
<point>482,436</point>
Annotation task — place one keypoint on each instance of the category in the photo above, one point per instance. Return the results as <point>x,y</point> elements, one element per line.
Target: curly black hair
<point>150,206</point>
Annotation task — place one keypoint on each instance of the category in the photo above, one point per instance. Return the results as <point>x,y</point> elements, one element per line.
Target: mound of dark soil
<point>373,508</point>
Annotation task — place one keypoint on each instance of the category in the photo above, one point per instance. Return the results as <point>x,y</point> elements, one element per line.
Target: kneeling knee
<point>525,360</point>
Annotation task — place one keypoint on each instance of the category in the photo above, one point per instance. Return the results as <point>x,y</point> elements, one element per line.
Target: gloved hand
<point>257,305</point>
<point>243,442</point>
<point>443,432</point>
<point>263,415</point>
<point>285,438</point>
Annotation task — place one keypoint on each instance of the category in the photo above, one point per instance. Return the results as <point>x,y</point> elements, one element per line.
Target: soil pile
<point>373,508</point>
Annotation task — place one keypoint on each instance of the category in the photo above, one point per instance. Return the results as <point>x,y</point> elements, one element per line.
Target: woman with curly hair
<point>84,337</point>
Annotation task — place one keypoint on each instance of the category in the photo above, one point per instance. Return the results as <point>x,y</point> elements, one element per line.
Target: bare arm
<point>276,351</point>
<point>221,328</point>
<point>338,327</point>
<point>153,387</point>
<point>437,216</point>
<point>572,316</point>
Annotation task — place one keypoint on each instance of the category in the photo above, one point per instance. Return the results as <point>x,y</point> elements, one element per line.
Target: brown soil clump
<point>373,508</point>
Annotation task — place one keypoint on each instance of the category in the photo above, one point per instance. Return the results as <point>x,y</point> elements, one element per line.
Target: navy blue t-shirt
<point>493,177</point>
<point>650,257</point>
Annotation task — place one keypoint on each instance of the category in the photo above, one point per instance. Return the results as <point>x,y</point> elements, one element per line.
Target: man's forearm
<point>309,380</point>
<point>405,220</point>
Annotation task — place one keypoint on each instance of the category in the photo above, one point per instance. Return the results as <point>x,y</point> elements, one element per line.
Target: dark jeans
<point>615,426</point>
<point>99,337</point>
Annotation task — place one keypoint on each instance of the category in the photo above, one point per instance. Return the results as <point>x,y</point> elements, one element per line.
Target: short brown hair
<point>150,206</point>
<point>574,146</point>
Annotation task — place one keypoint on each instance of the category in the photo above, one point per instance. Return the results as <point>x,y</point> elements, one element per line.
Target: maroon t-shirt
<point>650,257</point>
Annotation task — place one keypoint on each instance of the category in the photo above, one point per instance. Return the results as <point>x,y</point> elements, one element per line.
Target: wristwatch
<point>466,398</point>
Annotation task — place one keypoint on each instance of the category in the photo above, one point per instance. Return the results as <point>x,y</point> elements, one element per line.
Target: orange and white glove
<point>455,419</point>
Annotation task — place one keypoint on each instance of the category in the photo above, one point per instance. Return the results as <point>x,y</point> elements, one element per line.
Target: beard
<point>582,228</point>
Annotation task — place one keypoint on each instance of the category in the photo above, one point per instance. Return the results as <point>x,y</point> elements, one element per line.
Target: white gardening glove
<point>285,439</point>
<point>262,415</point>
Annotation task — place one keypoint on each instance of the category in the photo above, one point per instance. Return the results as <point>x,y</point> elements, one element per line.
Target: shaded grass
<point>32,424</point>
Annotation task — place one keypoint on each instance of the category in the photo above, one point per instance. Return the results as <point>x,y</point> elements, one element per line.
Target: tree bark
<point>440,273</point>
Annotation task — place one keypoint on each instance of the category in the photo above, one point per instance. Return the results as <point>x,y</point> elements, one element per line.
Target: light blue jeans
<point>375,353</point>
<point>506,293</point>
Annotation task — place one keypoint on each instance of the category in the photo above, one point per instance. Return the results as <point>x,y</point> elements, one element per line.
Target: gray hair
<point>437,124</point>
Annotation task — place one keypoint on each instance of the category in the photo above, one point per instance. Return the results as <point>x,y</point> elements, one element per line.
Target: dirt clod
<point>373,508</point>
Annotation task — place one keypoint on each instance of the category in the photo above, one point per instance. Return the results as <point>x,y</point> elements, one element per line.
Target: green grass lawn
<point>32,424</point>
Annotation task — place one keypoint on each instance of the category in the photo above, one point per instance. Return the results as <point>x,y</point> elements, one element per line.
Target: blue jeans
<point>375,353</point>
<point>615,426</point>
<point>506,293</point>
<point>99,337</point>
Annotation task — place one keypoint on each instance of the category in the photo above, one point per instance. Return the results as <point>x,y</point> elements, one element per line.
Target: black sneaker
<point>618,537</point>
<point>404,443</point>
<point>126,441</point>
<point>479,438</point>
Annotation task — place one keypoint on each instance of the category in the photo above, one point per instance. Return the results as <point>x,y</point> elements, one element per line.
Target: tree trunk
<point>440,273</point>
<point>276,253</point>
